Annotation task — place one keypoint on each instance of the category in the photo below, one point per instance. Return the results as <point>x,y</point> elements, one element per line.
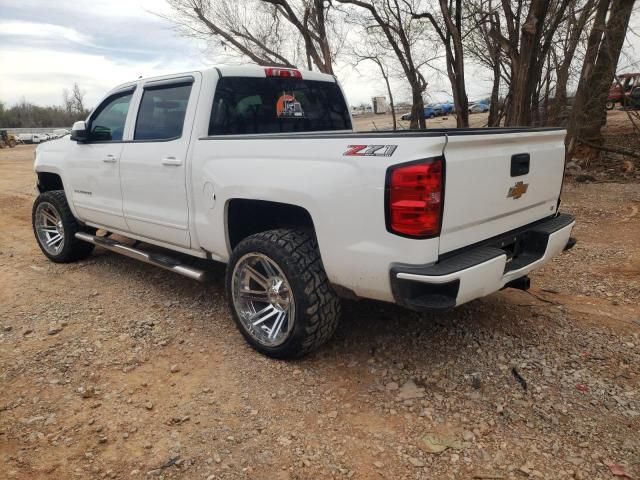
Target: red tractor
<point>624,90</point>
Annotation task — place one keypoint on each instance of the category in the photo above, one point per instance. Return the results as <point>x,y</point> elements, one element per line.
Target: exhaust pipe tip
<point>570,243</point>
<point>522,283</point>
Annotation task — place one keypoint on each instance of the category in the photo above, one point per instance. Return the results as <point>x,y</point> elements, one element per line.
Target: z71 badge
<point>370,150</point>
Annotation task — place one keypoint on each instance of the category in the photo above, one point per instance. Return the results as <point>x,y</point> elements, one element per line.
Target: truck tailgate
<point>490,190</point>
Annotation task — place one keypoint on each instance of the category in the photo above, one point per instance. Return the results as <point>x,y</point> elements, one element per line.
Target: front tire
<point>279,294</point>
<point>55,227</point>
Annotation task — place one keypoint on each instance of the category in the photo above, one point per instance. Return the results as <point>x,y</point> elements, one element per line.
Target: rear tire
<point>279,272</point>
<point>55,227</point>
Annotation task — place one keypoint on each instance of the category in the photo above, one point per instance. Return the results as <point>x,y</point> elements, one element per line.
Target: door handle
<point>520,164</point>
<point>110,159</point>
<point>171,161</point>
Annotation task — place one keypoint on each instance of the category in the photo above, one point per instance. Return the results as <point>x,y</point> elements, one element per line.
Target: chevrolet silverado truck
<point>260,168</point>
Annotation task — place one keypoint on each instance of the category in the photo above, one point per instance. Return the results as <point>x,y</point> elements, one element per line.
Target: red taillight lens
<point>414,199</point>
<point>282,72</point>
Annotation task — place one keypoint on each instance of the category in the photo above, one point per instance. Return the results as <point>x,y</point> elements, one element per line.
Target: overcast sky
<point>46,46</point>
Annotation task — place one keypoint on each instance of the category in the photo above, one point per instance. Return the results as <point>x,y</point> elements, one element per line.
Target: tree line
<point>27,115</point>
<point>533,49</point>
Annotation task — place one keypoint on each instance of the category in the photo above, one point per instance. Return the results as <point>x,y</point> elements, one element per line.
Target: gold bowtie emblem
<point>518,190</point>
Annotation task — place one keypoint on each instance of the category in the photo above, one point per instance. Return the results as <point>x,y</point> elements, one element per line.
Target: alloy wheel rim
<point>263,299</point>
<point>49,228</point>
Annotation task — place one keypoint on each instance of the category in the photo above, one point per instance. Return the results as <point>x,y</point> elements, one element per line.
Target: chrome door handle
<point>171,161</point>
<point>109,159</point>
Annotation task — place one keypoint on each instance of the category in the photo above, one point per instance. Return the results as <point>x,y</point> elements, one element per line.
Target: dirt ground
<point>114,369</point>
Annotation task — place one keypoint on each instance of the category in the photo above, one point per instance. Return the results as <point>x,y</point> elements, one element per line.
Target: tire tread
<point>322,312</point>
<point>74,249</point>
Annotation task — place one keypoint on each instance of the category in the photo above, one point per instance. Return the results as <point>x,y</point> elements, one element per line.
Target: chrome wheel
<point>263,299</point>
<point>49,228</point>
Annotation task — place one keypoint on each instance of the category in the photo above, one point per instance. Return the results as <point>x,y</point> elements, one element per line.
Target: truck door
<point>94,171</point>
<point>153,166</point>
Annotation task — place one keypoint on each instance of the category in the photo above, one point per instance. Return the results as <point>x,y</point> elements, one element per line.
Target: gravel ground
<point>114,369</point>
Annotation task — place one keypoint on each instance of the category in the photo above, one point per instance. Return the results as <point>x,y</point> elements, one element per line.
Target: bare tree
<point>311,20</point>
<point>267,32</point>
<point>520,45</point>
<point>485,50</point>
<point>448,26</point>
<point>73,102</point>
<point>67,101</point>
<point>78,98</point>
<point>405,37</point>
<point>375,55</point>
<point>603,52</point>
<point>570,36</point>
<point>524,33</point>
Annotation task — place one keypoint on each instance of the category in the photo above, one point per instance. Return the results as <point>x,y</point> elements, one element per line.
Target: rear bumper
<point>481,269</point>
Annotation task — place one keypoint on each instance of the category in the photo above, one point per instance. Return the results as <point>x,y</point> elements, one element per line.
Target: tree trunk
<point>494,108</point>
<point>578,113</point>
<point>386,80</point>
<point>559,104</point>
<point>417,110</point>
<point>455,60</point>
<point>523,80</point>
<point>589,110</point>
<point>547,89</point>
<point>560,100</point>
<point>393,107</point>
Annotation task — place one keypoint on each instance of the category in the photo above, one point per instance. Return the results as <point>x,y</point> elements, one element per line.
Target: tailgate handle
<point>519,164</point>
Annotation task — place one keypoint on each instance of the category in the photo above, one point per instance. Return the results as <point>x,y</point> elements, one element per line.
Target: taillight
<point>414,198</point>
<point>282,72</point>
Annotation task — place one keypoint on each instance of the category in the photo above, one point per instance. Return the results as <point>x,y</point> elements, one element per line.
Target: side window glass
<point>161,113</point>
<point>107,124</point>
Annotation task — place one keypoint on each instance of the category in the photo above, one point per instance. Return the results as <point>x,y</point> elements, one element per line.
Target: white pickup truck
<point>259,168</point>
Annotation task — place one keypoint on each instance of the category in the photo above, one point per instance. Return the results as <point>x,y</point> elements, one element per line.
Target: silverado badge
<point>518,190</point>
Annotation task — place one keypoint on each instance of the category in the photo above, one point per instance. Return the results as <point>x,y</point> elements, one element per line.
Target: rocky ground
<point>114,369</point>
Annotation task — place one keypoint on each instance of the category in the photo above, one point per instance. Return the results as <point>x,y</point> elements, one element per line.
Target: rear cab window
<point>162,111</point>
<point>253,105</point>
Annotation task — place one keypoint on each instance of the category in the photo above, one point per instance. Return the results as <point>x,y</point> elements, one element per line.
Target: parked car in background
<point>60,132</point>
<point>29,137</point>
<point>429,112</point>
<point>432,110</point>
<point>622,89</point>
<point>33,137</point>
<point>445,108</point>
<point>479,107</point>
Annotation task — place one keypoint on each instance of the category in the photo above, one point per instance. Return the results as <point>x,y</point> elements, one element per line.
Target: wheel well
<point>49,181</point>
<point>246,217</point>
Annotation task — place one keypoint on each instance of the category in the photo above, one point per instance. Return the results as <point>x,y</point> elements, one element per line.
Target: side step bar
<point>157,259</point>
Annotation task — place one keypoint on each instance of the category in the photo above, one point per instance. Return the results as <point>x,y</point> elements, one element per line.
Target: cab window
<point>107,123</point>
<point>162,111</point>
<point>250,105</point>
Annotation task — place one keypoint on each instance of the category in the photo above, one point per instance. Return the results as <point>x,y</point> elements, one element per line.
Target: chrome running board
<point>157,259</point>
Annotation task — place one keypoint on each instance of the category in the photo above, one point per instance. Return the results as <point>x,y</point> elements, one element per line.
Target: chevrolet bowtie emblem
<point>519,189</point>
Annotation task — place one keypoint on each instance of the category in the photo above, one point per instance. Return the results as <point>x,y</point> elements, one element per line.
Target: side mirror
<point>79,132</point>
